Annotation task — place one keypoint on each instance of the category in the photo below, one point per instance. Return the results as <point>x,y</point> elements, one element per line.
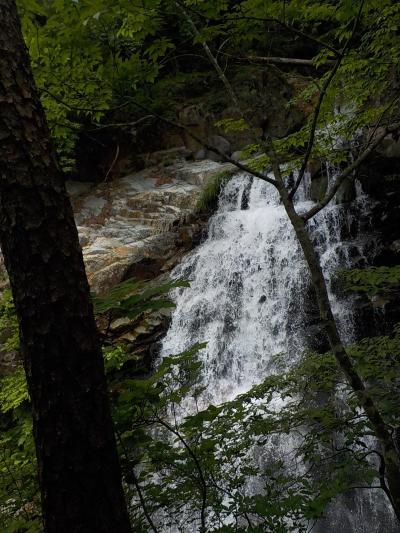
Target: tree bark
<point>79,470</point>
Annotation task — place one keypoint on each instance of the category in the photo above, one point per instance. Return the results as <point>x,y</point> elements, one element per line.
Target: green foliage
<point>20,505</point>
<point>19,498</point>
<point>114,357</point>
<point>90,58</point>
<point>372,280</point>
<point>131,298</point>
<point>87,58</point>
<point>230,125</point>
<point>184,463</point>
<point>259,163</point>
<point>13,391</point>
<point>19,494</point>
<point>205,460</point>
<point>251,150</point>
<point>9,330</point>
<point>378,361</point>
<point>70,68</point>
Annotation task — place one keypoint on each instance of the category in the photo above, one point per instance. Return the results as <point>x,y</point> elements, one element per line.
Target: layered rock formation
<point>139,225</point>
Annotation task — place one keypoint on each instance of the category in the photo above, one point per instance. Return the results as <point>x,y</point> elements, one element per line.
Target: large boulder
<point>218,142</point>
<point>135,226</point>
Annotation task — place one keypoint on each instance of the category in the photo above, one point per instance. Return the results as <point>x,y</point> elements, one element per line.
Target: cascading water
<point>249,286</point>
<point>250,299</point>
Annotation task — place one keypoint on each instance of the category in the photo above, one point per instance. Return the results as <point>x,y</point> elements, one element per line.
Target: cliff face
<point>380,178</point>
<point>133,226</point>
<point>264,94</point>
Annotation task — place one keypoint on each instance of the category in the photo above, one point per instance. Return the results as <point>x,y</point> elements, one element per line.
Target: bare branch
<point>307,36</point>
<point>285,61</point>
<point>120,124</point>
<point>112,164</point>
<point>135,480</point>
<point>211,57</point>
<point>199,468</point>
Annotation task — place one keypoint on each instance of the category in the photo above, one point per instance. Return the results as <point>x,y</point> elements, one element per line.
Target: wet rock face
<point>217,142</point>
<point>136,226</point>
<point>380,179</point>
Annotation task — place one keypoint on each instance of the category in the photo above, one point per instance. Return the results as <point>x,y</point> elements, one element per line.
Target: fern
<point>13,391</point>
<point>371,280</point>
<point>132,297</point>
<point>8,322</point>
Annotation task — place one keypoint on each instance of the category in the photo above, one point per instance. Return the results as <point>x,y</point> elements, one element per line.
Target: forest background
<point>112,80</point>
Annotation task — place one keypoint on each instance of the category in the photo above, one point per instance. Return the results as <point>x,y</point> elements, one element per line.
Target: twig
<point>120,124</point>
<point>379,121</point>
<point>284,60</point>
<point>211,57</point>
<point>112,164</point>
<point>294,30</point>
<point>198,467</point>
<point>142,502</point>
<point>137,486</point>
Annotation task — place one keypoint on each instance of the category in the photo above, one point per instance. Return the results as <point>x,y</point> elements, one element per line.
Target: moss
<point>8,322</point>
<point>208,199</point>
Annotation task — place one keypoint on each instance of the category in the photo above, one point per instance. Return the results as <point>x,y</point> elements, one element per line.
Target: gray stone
<point>347,192</point>
<point>140,220</point>
<point>395,246</point>
<point>167,157</point>
<point>200,172</point>
<point>200,154</point>
<point>77,188</point>
<point>237,156</point>
<point>221,144</point>
<point>390,147</point>
<point>136,220</point>
<point>318,188</point>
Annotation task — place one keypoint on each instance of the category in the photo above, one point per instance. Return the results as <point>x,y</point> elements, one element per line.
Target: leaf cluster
<point>372,280</point>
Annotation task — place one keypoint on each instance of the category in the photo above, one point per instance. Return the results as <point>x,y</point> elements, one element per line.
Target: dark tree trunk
<point>79,471</point>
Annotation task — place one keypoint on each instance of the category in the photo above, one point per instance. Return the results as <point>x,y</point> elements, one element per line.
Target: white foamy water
<point>250,300</point>
<point>248,296</point>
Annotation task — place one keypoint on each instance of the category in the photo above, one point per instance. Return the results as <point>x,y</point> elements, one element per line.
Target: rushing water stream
<point>250,299</point>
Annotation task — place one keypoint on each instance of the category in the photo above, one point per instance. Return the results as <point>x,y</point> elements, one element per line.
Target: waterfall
<point>249,290</point>
<point>250,299</point>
